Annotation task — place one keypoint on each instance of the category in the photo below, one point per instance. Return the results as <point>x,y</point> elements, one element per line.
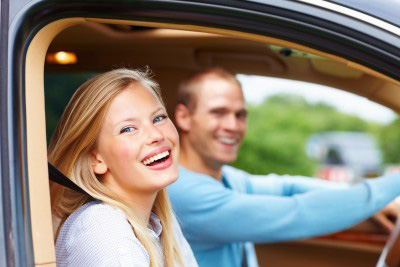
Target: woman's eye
<point>127,129</point>
<point>160,118</point>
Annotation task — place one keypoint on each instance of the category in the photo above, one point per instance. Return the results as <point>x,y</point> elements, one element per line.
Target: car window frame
<point>3,51</point>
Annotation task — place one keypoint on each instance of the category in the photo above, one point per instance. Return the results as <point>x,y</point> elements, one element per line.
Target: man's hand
<point>388,215</point>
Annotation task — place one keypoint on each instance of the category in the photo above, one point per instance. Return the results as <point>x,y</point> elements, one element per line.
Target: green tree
<point>389,137</point>
<point>59,88</point>
<point>279,128</point>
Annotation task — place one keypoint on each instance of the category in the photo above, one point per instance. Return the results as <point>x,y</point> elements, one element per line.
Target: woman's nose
<point>154,135</point>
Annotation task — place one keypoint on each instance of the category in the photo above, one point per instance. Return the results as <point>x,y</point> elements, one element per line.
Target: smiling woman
<point>137,147</point>
<point>117,143</point>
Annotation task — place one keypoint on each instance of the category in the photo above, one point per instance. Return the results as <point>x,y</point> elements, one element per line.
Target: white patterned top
<point>98,235</point>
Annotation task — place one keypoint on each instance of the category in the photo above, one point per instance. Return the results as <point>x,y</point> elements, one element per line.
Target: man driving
<point>222,210</point>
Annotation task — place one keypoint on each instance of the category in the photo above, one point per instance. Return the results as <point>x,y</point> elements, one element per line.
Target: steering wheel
<point>390,256</point>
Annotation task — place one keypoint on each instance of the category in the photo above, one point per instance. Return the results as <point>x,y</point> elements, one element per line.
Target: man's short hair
<point>186,92</point>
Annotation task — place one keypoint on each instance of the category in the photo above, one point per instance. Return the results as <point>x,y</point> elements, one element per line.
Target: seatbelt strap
<point>56,176</point>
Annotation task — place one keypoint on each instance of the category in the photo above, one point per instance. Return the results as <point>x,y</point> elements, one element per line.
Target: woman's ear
<point>182,117</point>
<point>98,164</point>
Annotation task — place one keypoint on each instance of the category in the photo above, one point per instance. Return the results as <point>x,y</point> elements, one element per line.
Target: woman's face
<point>138,146</point>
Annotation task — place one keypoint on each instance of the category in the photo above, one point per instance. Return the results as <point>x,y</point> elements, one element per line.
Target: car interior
<point>173,52</point>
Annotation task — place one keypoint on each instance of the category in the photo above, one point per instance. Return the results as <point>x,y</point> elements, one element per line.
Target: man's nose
<point>154,135</point>
<point>231,122</point>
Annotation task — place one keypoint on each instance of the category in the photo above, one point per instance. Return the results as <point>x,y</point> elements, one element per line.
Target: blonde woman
<point>117,143</point>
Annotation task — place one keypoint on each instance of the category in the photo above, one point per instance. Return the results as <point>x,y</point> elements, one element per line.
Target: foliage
<point>389,137</point>
<point>58,90</point>
<point>279,129</point>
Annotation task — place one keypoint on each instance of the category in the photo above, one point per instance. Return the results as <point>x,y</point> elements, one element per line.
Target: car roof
<point>387,10</point>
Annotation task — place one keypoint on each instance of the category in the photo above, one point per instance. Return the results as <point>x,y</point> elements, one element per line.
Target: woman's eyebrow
<point>130,119</point>
<point>157,110</point>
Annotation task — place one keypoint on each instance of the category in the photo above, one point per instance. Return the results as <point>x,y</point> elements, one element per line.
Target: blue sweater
<point>216,218</point>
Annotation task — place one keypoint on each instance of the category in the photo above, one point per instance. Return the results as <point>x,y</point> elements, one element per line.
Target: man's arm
<point>279,185</point>
<point>287,185</point>
<point>211,214</point>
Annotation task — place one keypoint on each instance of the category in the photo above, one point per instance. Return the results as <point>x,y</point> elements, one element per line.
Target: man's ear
<point>98,164</point>
<point>182,117</point>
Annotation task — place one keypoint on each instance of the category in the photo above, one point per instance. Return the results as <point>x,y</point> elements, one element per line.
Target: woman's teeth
<point>156,157</point>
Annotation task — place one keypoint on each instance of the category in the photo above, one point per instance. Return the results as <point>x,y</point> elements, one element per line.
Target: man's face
<point>218,123</point>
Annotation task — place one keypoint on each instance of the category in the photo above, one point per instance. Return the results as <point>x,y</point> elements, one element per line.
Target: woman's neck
<point>142,205</point>
<point>140,202</point>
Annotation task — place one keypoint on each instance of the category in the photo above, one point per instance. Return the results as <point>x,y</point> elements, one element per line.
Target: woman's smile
<point>159,159</point>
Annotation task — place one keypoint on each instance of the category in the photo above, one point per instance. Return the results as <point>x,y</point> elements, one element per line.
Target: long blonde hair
<point>72,142</point>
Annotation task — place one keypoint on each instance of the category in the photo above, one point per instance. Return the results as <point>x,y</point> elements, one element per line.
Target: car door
<point>3,73</point>
<point>15,238</point>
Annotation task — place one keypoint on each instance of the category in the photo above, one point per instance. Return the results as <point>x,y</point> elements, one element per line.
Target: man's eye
<point>218,112</point>
<point>160,118</point>
<point>242,115</point>
<point>127,129</point>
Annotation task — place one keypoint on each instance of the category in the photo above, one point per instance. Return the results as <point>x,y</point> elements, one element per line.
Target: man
<point>220,207</point>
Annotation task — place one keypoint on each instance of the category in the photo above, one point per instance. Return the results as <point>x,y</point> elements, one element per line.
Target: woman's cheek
<point>122,151</point>
<point>128,153</point>
<point>172,132</point>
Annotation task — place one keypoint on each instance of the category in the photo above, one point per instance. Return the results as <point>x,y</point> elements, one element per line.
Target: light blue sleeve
<point>279,185</point>
<point>211,214</point>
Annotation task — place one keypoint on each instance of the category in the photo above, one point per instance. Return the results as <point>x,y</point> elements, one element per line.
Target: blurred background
<point>307,129</point>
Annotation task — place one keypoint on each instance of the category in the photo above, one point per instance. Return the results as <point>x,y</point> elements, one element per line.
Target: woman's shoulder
<point>96,213</point>
<point>95,216</point>
<point>97,222</point>
<point>96,209</point>
<point>97,234</point>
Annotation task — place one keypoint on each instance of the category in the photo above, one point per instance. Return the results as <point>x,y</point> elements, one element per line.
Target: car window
<point>172,56</point>
<point>182,49</point>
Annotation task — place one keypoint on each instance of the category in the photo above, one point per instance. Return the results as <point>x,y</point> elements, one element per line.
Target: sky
<point>257,88</point>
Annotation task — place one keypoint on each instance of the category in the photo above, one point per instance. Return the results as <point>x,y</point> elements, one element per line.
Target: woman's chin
<point>170,179</point>
<point>165,180</point>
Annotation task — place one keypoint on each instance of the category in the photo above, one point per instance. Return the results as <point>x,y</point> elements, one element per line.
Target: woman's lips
<point>156,152</point>
<point>162,165</point>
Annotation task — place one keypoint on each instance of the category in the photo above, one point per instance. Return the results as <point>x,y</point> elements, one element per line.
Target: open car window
<point>174,54</point>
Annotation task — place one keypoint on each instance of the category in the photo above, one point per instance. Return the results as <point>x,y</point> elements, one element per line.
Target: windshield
<point>387,10</point>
